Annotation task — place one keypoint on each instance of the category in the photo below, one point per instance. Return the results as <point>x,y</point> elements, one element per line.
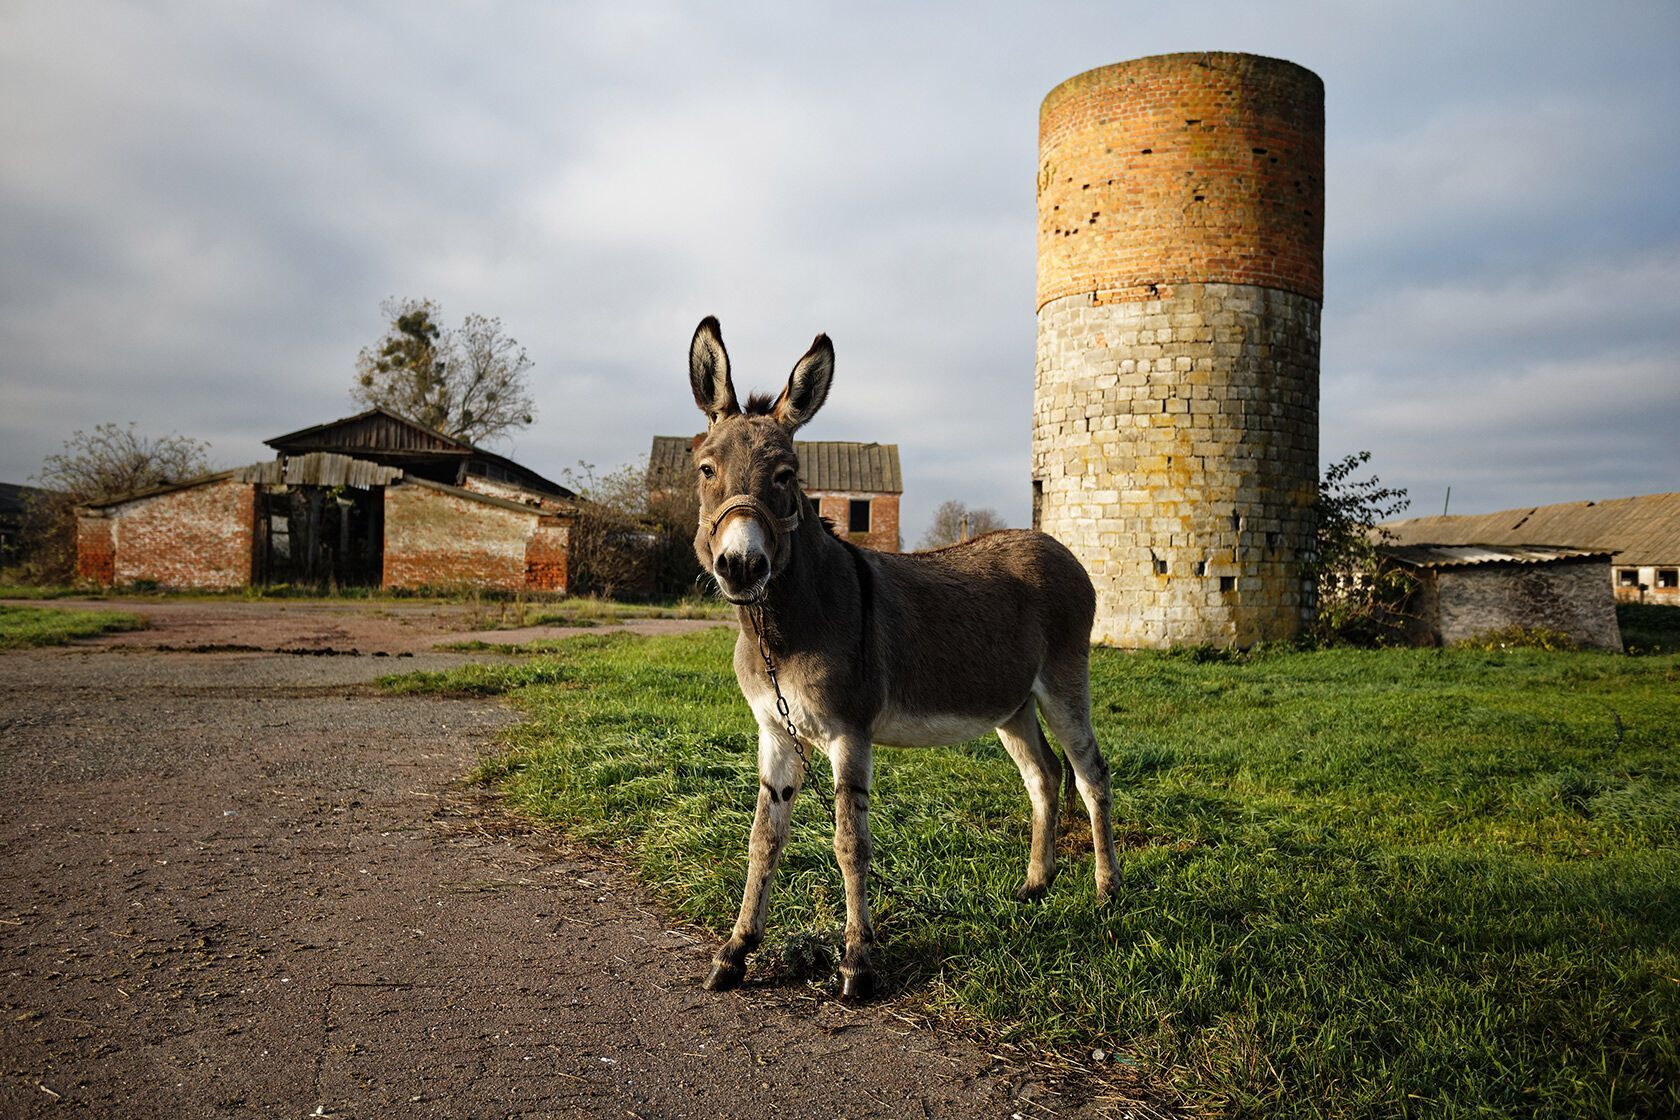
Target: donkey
<point>842,647</point>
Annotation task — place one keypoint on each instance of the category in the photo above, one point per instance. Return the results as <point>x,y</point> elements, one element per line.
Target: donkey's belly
<point>931,729</point>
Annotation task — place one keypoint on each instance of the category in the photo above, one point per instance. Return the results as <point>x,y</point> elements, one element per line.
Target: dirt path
<point>240,884</point>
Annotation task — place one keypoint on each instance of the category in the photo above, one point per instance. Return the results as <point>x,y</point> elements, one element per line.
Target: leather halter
<point>778,526</point>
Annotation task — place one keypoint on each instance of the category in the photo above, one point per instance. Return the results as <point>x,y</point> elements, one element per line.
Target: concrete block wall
<point>1175,424</point>
<point>196,538</point>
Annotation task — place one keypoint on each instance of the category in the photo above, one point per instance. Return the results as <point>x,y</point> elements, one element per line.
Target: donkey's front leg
<point>781,771</point>
<point>852,757</point>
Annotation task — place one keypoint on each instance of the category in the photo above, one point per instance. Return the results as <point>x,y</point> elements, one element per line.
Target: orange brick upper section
<point>1182,168</point>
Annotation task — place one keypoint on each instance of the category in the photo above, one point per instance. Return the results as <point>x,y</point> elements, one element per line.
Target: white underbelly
<point>923,729</point>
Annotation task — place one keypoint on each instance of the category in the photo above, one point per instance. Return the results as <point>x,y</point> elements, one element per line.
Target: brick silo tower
<point>1180,277</point>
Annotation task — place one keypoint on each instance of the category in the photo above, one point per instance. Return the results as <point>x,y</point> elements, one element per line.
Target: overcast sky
<point>202,206</point>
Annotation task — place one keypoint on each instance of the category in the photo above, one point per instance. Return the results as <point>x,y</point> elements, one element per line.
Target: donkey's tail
<point>1067,789</point>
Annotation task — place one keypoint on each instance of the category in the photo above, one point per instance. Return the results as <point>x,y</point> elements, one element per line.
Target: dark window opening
<point>1227,583</point>
<point>1037,502</point>
<point>1668,578</point>
<point>1627,577</point>
<point>1201,567</point>
<point>857,516</point>
<point>1160,566</point>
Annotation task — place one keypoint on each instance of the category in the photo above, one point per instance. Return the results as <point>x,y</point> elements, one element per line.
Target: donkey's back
<point>967,633</point>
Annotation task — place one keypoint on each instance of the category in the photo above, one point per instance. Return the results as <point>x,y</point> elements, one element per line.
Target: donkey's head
<point>748,473</point>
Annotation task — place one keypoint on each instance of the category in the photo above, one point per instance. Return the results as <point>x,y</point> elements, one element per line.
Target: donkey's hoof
<point>1107,891</point>
<point>856,986</point>
<point>725,977</point>
<point>1031,892</point>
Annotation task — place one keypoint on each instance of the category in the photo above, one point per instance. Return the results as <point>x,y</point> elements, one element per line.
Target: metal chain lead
<point>883,881</point>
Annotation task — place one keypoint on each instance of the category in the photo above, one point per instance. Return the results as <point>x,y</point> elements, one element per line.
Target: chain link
<point>807,753</point>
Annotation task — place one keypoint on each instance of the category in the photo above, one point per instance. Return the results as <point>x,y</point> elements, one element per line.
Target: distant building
<point>856,486</point>
<point>374,499</point>
<point>1466,591</point>
<point>1642,536</point>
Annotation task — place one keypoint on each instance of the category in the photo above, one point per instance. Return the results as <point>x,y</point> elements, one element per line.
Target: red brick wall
<point>883,517</point>
<point>199,537</point>
<point>546,556</point>
<point>1182,168</point>
<point>95,556</point>
<point>436,539</point>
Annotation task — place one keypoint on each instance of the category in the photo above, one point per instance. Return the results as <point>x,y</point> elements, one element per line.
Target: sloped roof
<point>823,465</point>
<point>1639,531</point>
<point>1469,555</point>
<point>381,432</point>
<point>377,429</point>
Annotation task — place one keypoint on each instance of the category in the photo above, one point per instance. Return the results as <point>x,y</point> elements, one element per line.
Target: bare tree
<point>108,462</point>
<point>627,535</point>
<point>953,522</point>
<point>469,382</point>
<point>612,542</point>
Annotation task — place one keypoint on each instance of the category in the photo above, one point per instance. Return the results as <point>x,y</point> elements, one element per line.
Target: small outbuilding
<point>856,486</point>
<point>1642,534</point>
<point>1466,591</point>
<point>372,500</point>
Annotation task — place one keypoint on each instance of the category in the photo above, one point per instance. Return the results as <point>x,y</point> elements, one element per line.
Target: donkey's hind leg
<point>781,771</point>
<point>1064,696</point>
<point>1025,743</point>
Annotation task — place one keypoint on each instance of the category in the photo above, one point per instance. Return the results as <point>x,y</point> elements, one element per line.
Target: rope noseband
<point>778,526</point>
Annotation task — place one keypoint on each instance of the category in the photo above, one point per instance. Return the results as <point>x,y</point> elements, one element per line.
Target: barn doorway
<point>320,536</point>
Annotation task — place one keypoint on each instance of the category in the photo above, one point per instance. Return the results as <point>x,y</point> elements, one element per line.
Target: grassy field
<point>40,626</point>
<point>1357,883</point>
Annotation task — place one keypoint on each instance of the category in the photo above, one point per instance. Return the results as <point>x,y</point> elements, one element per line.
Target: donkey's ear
<point>708,372</point>
<point>807,386</point>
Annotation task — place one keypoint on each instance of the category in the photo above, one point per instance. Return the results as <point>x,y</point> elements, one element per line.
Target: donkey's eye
<point>707,471</point>
<point>784,477</point>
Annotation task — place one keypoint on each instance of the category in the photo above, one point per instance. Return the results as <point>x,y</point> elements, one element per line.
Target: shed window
<point>1668,577</point>
<point>857,516</point>
<point>1627,577</point>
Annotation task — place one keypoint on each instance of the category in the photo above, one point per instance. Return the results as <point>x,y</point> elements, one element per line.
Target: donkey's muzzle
<point>743,569</point>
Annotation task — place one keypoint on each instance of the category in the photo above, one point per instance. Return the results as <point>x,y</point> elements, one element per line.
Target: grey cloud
<point>201,208</point>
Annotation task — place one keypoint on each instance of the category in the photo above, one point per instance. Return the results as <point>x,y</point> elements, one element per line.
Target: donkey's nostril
<point>757,566</point>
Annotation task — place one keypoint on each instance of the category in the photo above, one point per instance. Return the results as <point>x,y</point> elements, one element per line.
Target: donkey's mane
<point>758,404</point>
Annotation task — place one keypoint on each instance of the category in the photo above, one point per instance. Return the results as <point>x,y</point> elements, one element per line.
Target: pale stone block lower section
<point>1175,451</point>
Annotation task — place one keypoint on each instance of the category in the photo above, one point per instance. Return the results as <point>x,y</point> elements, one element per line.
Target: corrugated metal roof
<point>1640,531</point>
<point>1466,555</point>
<point>824,465</point>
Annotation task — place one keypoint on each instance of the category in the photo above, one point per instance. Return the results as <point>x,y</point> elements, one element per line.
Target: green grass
<point>1356,883</point>
<point>21,627</point>
<point>590,611</point>
<point>47,591</point>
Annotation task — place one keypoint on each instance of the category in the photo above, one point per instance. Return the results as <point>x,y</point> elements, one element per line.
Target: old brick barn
<point>856,486</point>
<point>373,500</point>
